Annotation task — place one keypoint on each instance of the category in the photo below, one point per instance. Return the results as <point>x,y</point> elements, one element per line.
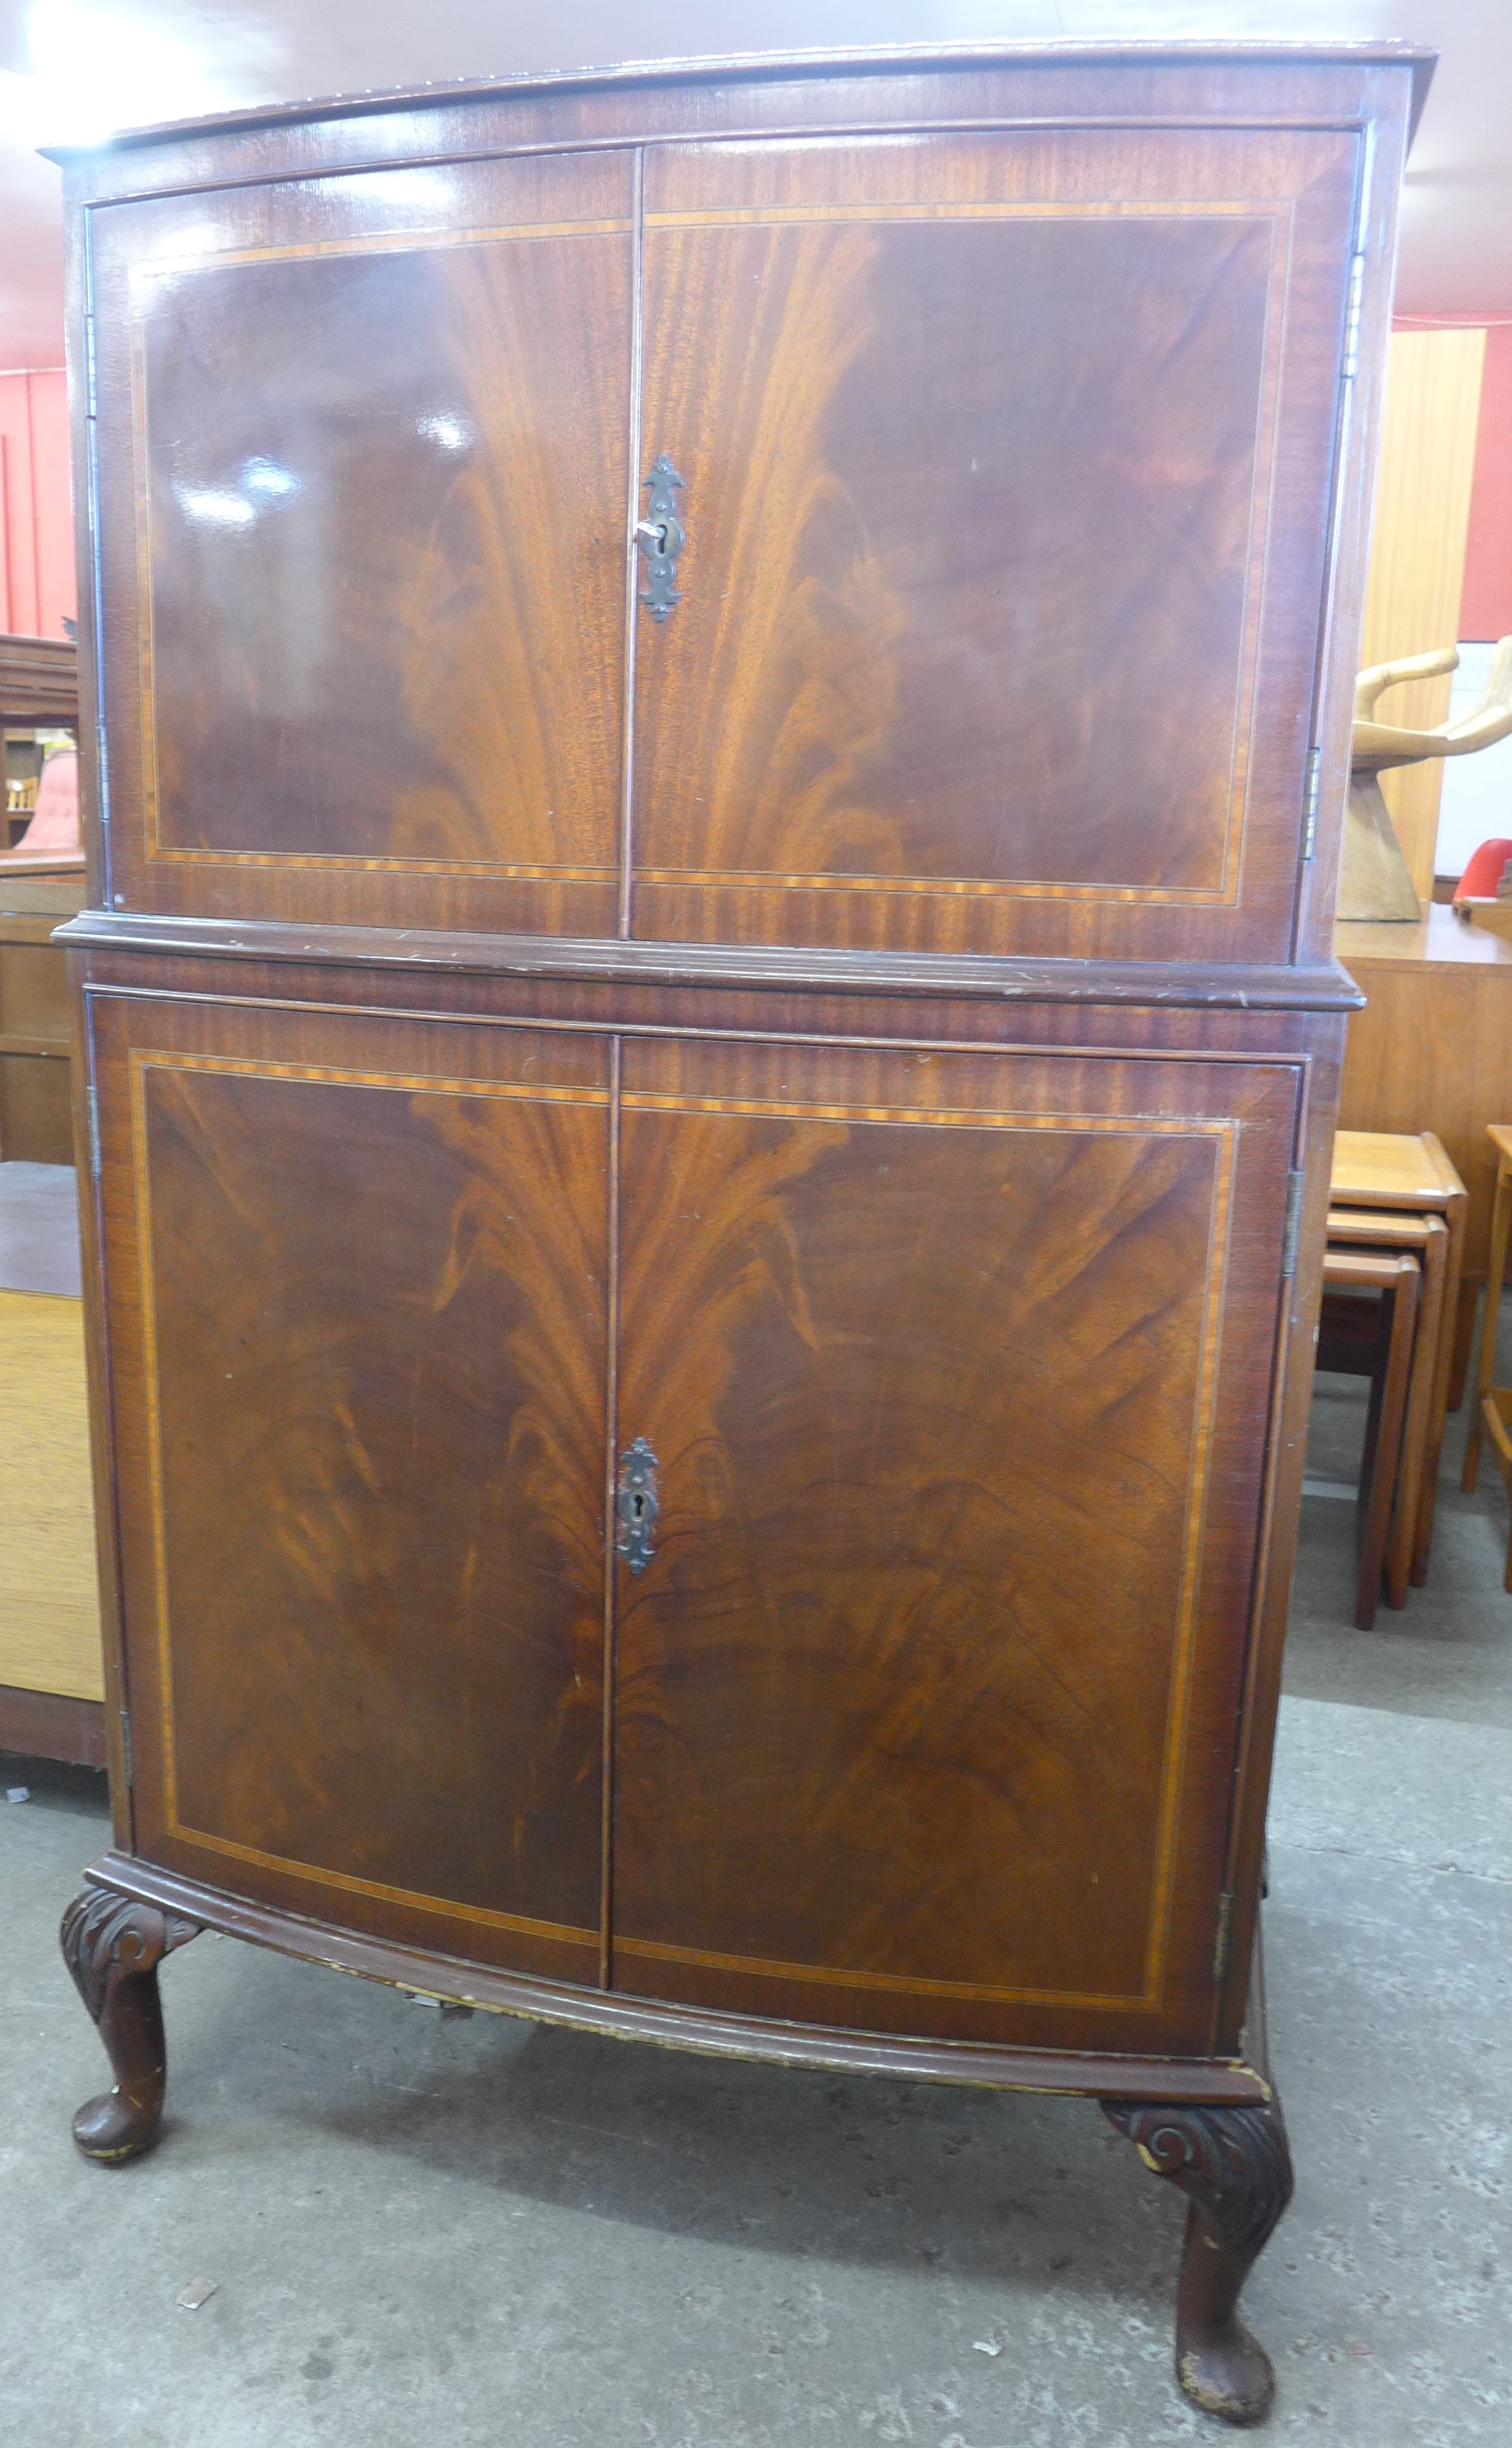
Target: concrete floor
<point>425,2227</point>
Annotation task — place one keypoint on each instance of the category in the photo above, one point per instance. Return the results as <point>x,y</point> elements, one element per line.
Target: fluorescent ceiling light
<point>94,71</point>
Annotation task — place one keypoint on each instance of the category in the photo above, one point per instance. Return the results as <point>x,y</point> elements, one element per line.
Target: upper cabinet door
<point>362,494</point>
<point>1005,468</point>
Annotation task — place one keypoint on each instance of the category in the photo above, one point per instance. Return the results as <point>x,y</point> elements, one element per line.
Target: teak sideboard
<point>708,1047</point>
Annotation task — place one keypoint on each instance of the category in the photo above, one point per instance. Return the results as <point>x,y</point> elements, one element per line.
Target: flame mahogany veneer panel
<point>364,493</point>
<point>1007,464</point>
<point>358,1273</point>
<point>950,1363</point>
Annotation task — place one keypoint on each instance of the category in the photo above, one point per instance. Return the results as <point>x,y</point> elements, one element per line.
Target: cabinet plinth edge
<point>705,2030</point>
<point>1150,985</point>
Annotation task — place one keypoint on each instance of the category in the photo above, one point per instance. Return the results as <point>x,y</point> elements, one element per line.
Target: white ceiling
<point>69,70</point>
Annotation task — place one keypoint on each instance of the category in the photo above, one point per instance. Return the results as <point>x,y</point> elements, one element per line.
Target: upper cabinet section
<point>1005,465</point>
<point>363,486</point>
<point>897,506</point>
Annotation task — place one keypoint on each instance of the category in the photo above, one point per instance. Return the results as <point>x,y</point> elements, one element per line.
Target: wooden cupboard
<point>36,1113</point>
<point>709,1047</point>
<point>52,1688</point>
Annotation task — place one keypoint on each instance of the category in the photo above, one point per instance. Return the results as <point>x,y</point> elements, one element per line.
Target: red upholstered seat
<point>1484,872</point>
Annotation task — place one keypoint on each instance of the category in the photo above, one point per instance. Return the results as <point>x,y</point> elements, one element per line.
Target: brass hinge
<point>1293,1226</point>
<point>88,366</point>
<point>128,1757</point>
<point>92,1108</point>
<point>1352,318</point>
<point>1314,777</point>
<point>1220,1944</point>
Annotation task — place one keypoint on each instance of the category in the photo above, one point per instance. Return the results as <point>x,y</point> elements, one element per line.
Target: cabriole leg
<point>1236,2170</point>
<point>113,1945</point>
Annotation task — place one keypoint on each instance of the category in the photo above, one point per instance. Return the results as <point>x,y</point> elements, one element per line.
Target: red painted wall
<point>1485,607</point>
<point>36,507</point>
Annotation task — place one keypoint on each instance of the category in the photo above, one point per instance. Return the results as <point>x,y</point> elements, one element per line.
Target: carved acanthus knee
<point>1235,2167</point>
<point>112,1945</point>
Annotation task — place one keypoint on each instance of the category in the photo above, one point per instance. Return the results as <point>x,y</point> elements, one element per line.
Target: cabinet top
<point>771,67</point>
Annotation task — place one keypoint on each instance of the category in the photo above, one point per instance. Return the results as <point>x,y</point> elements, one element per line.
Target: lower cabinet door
<point>957,1370</point>
<point>356,1286</point>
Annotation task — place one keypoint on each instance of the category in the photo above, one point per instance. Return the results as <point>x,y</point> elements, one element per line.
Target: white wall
<point>1476,801</point>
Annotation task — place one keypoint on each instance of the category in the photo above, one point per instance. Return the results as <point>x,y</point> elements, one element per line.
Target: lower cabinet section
<point>908,1702</point>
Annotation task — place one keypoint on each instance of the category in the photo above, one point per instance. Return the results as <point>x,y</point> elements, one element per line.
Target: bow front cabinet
<point>708,1049</point>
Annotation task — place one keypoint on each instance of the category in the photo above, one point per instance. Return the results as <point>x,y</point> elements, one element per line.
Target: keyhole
<point>637,1505</point>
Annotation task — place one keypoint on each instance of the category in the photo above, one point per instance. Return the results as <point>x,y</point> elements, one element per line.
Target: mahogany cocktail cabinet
<point>707,1048</point>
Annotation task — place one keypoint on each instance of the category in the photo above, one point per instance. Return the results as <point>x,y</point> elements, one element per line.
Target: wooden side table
<point>1372,1339</point>
<point>36,1117</point>
<point>1410,1173</point>
<point>1493,1403</point>
<point>1427,1237</point>
<point>51,1669</point>
<point>1433,1050</point>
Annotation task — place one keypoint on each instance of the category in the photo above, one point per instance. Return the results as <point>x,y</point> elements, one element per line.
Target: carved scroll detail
<point>1234,2168</point>
<point>104,1933</point>
<point>112,1945</point>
